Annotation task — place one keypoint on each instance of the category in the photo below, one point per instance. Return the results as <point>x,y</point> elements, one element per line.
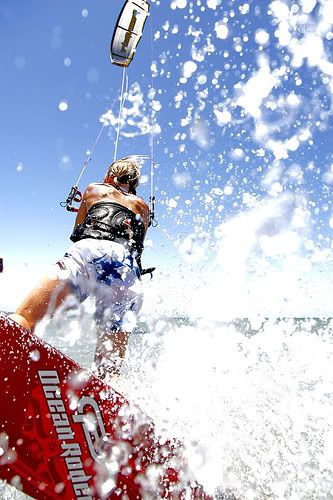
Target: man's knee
<point>22,321</point>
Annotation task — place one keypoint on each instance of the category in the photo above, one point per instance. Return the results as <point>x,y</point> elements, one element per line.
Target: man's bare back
<point>102,192</point>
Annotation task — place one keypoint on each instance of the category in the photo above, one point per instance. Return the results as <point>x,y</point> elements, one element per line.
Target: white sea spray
<point>254,411</point>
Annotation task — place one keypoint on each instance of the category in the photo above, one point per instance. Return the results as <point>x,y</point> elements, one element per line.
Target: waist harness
<point>108,221</point>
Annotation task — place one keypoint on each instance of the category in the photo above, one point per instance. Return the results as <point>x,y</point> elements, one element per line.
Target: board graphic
<point>63,433</point>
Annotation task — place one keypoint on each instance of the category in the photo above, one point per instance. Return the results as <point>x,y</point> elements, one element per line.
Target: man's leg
<point>45,297</point>
<point>117,308</point>
<point>110,352</point>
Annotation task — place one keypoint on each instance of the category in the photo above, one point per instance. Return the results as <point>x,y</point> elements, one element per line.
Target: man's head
<point>124,171</point>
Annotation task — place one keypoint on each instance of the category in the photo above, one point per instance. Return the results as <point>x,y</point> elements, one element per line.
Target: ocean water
<point>252,400</point>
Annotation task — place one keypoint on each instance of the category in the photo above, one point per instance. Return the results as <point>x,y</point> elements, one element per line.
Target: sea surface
<point>252,399</point>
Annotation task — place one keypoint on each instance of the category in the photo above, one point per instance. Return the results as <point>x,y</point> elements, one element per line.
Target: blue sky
<point>243,107</point>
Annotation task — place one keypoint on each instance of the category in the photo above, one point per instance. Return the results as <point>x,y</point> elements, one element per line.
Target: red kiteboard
<point>65,434</point>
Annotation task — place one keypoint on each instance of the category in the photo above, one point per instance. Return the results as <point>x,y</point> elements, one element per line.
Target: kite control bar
<point>74,196</point>
<point>149,270</point>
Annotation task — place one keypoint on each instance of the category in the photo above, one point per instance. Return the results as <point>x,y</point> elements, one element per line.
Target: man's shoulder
<point>95,187</point>
<point>92,185</point>
<point>142,202</point>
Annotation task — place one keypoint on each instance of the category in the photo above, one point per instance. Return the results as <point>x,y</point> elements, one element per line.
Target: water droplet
<point>34,355</point>
<point>63,106</point>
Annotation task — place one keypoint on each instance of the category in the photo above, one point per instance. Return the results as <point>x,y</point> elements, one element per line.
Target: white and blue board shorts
<point>108,272</point>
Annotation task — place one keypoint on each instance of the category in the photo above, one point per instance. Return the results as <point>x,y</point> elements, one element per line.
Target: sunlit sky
<point>242,100</point>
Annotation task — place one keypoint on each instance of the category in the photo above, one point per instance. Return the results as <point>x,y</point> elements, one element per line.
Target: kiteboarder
<point>104,262</point>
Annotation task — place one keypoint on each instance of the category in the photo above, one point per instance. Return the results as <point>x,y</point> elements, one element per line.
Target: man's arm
<point>144,212</point>
<point>83,207</point>
<point>81,213</point>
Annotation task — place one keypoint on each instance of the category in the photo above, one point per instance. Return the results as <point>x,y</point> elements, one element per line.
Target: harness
<point>109,221</point>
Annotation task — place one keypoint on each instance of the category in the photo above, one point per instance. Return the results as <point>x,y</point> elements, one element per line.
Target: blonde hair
<point>127,166</point>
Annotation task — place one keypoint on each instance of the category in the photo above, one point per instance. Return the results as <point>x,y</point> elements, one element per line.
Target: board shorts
<point>108,272</point>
